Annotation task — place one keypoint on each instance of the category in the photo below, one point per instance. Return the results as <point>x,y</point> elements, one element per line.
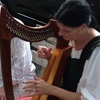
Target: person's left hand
<point>2,93</point>
<point>38,87</point>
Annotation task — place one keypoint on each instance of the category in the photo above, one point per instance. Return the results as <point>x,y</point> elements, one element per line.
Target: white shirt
<point>21,61</point>
<point>89,84</point>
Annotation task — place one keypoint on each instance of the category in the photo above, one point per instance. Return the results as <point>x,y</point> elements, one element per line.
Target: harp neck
<point>12,28</point>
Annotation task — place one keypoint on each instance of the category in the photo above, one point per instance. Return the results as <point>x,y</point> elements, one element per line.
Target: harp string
<point>17,88</point>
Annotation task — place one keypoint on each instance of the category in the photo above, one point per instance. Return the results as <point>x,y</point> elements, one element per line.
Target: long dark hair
<point>74,13</point>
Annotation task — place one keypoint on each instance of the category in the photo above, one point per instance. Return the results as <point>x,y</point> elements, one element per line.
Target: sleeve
<point>89,85</point>
<point>21,63</point>
<point>17,61</point>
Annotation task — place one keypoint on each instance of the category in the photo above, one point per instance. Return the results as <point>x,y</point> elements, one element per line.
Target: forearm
<point>64,94</point>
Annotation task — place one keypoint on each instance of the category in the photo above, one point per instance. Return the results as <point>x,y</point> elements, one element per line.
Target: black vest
<point>75,67</point>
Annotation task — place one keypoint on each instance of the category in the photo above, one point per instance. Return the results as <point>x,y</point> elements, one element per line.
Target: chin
<point>66,39</point>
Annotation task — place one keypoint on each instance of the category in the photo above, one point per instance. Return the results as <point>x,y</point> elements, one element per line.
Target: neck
<point>80,43</point>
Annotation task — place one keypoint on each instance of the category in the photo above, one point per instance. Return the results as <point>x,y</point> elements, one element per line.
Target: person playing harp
<point>82,79</point>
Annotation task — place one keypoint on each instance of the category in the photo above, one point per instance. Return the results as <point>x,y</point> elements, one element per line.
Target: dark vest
<point>75,67</point>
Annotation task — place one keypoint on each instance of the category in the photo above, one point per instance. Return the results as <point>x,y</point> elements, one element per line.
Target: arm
<point>2,93</point>
<point>17,60</point>
<point>43,88</point>
<point>22,66</point>
<point>65,95</point>
<point>88,87</point>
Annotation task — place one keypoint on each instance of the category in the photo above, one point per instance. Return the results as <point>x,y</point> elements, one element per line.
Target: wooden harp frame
<point>10,28</point>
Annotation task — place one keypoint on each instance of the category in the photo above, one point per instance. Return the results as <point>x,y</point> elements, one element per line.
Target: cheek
<point>76,34</point>
<point>61,33</point>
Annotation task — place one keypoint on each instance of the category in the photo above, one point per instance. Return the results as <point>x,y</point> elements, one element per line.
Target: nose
<point>59,33</point>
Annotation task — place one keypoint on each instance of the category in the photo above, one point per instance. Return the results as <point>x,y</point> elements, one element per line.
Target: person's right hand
<point>38,87</point>
<point>44,52</point>
<point>2,93</point>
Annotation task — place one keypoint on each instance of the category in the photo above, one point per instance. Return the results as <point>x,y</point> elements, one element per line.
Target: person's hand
<point>2,93</point>
<point>38,87</point>
<point>44,52</point>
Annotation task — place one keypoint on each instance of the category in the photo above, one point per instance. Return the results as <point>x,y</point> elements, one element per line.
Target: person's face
<point>69,33</point>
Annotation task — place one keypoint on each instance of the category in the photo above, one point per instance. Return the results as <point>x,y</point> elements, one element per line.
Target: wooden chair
<point>10,28</point>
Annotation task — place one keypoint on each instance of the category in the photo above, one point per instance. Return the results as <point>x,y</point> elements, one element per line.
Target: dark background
<point>33,12</point>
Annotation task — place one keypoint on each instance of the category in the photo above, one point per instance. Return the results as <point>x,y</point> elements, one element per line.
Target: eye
<point>66,31</point>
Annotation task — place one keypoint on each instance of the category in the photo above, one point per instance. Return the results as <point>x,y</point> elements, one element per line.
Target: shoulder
<point>96,52</point>
<point>94,60</point>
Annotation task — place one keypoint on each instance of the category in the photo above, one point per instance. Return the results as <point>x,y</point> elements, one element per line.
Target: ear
<point>83,25</point>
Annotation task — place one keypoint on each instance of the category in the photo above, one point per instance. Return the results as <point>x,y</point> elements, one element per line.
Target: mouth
<point>65,38</point>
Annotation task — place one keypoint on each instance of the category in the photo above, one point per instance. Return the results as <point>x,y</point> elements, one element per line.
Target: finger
<point>30,90</point>
<point>39,51</point>
<point>49,49</point>
<point>29,86</point>
<point>31,82</point>
<point>2,98</point>
<point>43,55</point>
<point>49,52</point>
<point>32,94</point>
<point>36,78</point>
<point>42,48</point>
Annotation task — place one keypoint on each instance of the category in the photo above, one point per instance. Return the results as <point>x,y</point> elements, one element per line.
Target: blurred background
<point>33,12</point>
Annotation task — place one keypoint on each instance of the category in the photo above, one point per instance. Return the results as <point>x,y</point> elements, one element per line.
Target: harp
<point>10,28</point>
